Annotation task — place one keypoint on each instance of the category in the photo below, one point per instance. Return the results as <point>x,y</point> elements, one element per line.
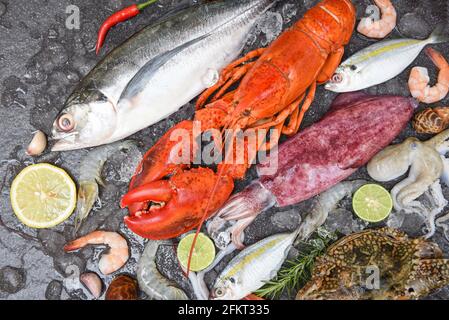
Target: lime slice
<point>43,196</point>
<point>372,203</point>
<point>203,253</point>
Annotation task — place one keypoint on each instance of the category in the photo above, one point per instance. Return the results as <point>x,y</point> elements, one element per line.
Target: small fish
<point>253,267</point>
<point>90,175</point>
<point>380,62</point>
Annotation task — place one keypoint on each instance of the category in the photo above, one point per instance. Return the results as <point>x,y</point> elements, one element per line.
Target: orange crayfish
<point>277,87</point>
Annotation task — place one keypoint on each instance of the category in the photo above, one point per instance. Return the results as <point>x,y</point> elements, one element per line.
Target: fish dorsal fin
<point>146,73</point>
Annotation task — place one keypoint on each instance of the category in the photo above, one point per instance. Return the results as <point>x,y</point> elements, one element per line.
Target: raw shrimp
<point>118,249</point>
<point>419,80</point>
<point>323,205</point>
<point>90,170</point>
<point>155,285</point>
<point>379,28</point>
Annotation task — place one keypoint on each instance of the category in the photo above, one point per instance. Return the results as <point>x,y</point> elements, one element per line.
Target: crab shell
<point>377,264</point>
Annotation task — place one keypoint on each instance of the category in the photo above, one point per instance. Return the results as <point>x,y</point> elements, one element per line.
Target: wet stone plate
<point>44,54</point>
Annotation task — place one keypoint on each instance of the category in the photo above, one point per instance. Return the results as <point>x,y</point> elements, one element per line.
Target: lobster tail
<point>330,23</point>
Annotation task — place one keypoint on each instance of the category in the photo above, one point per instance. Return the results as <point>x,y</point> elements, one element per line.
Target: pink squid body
<point>355,129</point>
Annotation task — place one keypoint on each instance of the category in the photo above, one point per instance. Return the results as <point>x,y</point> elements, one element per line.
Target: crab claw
<point>169,208</point>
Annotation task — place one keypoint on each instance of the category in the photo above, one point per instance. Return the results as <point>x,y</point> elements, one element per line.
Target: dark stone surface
<point>12,280</point>
<point>54,290</point>
<point>41,61</point>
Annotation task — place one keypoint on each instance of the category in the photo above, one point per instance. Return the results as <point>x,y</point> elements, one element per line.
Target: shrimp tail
<point>436,57</point>
<point>439,35</point>
<point>76,244</point>
<point>87,195</point>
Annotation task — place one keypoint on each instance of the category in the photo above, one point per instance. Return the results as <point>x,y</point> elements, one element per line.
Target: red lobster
<point>277,87</point>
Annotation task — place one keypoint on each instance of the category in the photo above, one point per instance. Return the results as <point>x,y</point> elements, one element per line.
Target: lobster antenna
<point>219,176</point>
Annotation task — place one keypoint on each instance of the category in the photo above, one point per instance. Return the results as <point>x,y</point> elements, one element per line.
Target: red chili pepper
<point>116,18</point>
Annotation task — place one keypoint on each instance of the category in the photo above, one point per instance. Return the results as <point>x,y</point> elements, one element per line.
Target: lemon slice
<point>203,253</point>
<point>43,196</point>
<point>372,203</point>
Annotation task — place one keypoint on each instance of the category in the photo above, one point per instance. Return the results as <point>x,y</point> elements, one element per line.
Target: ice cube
<point>339,220</point>
<point>396,220</point>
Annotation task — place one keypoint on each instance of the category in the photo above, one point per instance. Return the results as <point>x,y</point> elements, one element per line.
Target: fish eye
<point>337,78</point>
<point>66,122</point>
<point>353,67</point>
<point>219,292</point>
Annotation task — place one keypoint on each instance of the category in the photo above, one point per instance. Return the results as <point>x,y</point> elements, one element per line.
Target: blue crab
<point>377,264</point>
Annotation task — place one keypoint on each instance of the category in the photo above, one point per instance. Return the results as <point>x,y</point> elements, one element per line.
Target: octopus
<point>428,167</point>
<point>377,264</point>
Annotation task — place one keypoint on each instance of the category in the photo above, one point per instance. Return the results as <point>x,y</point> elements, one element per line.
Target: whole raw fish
<point>380,62</point>
<point>155,72</point>
<point>253,267</point>
<point>356,128</point>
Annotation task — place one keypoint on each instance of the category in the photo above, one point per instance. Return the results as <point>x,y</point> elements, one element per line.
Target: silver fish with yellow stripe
<point>380,62</point>
<point>253,267</point>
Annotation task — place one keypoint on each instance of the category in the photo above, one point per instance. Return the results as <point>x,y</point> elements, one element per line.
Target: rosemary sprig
<point>297,272</point>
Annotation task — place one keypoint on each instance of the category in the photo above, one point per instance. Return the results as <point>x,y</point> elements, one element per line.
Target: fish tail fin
<point>439,35</point>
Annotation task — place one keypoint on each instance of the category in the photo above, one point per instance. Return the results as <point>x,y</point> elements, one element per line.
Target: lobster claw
<point>168,208</point>
<point>163,158</point>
